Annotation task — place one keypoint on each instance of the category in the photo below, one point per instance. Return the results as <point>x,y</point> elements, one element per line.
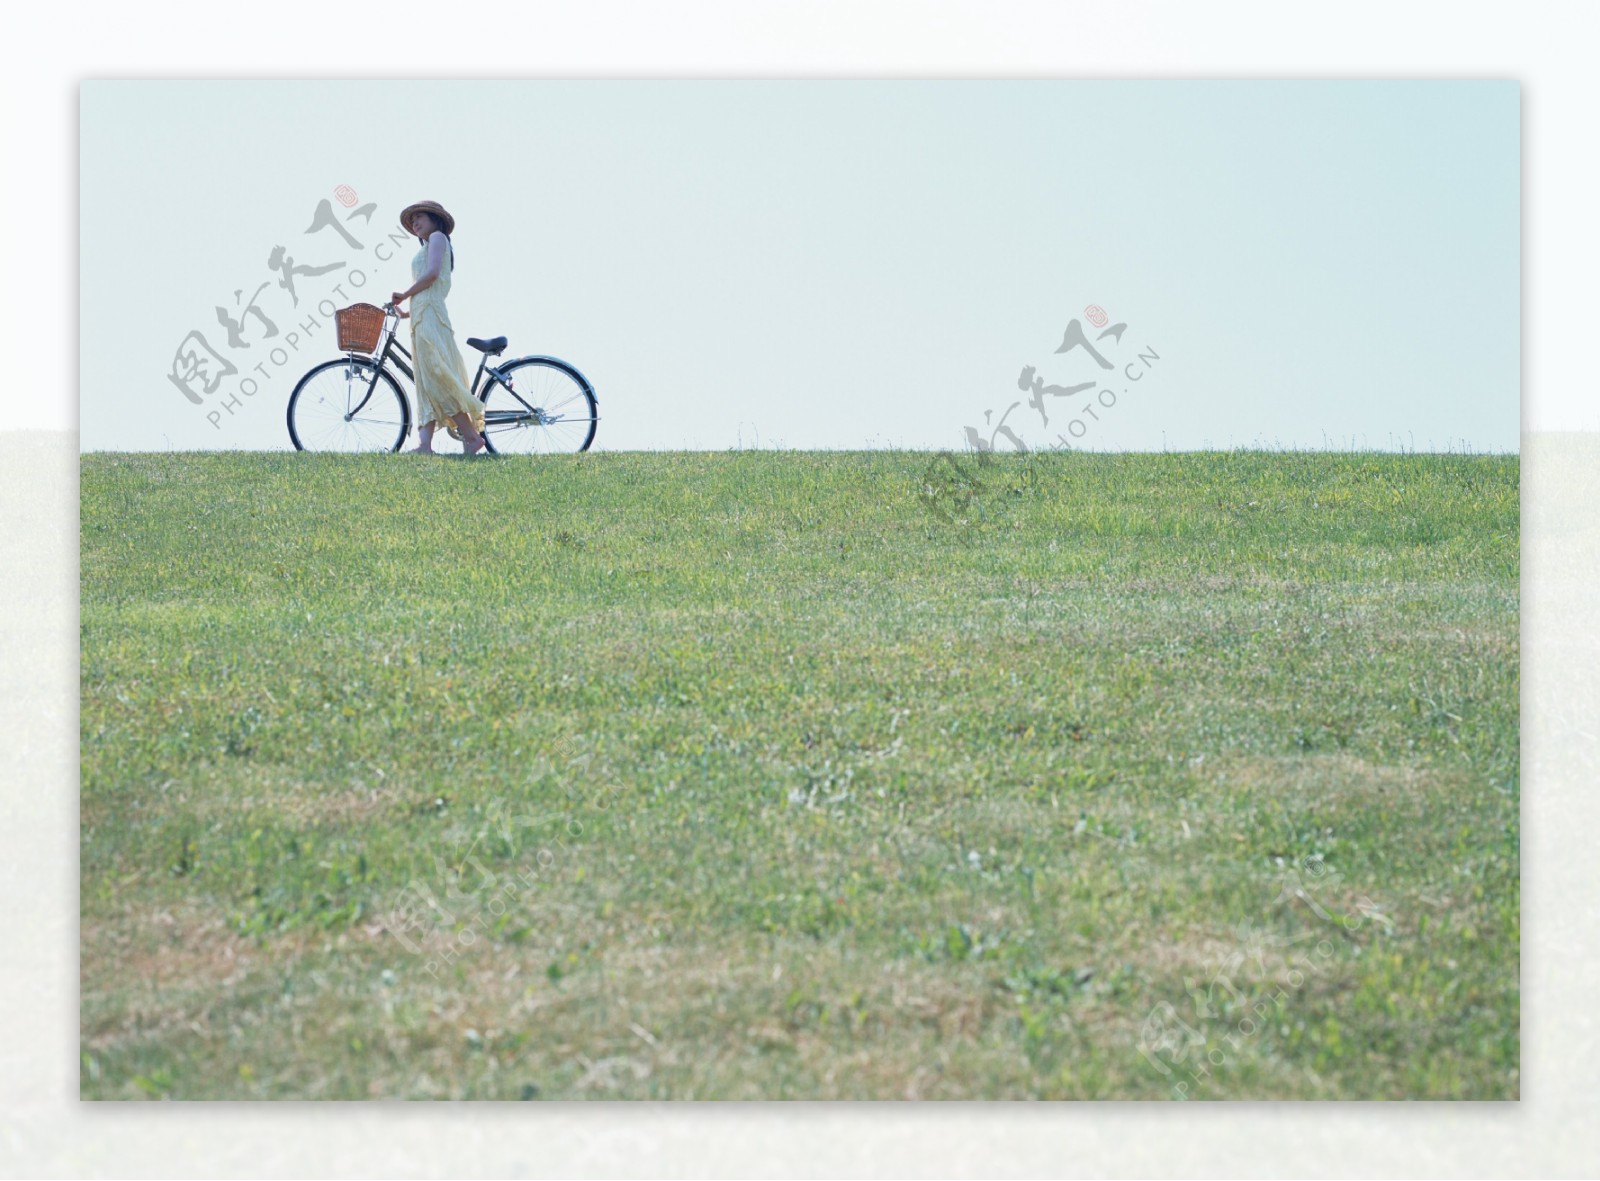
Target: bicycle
<point>531,405</point>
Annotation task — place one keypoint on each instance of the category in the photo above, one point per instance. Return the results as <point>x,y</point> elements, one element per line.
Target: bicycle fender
<point>557,361</point>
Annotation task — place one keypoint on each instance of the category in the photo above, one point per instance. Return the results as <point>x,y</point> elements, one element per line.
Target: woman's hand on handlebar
<point>394,302</point>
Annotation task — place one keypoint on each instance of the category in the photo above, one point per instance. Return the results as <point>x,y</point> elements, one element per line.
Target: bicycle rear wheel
<point>348,405</point>
<point>543,406</point>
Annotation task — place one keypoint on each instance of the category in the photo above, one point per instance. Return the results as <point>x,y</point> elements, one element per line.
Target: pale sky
<point>836,264</point>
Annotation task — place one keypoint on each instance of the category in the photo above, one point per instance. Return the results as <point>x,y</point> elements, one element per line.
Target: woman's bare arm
<point>437,245</point>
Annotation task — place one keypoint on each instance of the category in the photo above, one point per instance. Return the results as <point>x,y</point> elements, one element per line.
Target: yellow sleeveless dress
<point>444,387</point>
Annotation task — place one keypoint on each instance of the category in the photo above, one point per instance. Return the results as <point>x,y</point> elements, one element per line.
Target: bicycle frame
<point>393,350</point>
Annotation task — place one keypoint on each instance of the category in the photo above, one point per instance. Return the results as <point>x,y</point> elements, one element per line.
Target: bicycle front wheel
<point>539,406</point>
<point>349,405</point>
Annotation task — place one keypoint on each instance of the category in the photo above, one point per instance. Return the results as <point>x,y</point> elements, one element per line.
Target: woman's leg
<point>424,440</point>
<point>472,441</point>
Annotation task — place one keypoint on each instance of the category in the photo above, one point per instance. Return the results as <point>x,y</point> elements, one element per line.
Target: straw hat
<point>433,207</point>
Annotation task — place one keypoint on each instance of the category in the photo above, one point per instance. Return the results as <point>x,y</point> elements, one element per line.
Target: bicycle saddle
<point>493,347</point>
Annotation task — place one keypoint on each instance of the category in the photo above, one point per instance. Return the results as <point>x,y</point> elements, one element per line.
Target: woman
<point>443,391</point>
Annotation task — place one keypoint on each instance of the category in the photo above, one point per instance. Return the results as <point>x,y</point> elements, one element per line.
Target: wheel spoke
<point>324,412</point>
<point>562,417</point>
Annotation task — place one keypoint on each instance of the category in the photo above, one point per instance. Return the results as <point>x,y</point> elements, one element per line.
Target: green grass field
<point>744,776</point>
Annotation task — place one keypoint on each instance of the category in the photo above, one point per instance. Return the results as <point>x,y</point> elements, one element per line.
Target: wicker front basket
<point>360,325</point>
